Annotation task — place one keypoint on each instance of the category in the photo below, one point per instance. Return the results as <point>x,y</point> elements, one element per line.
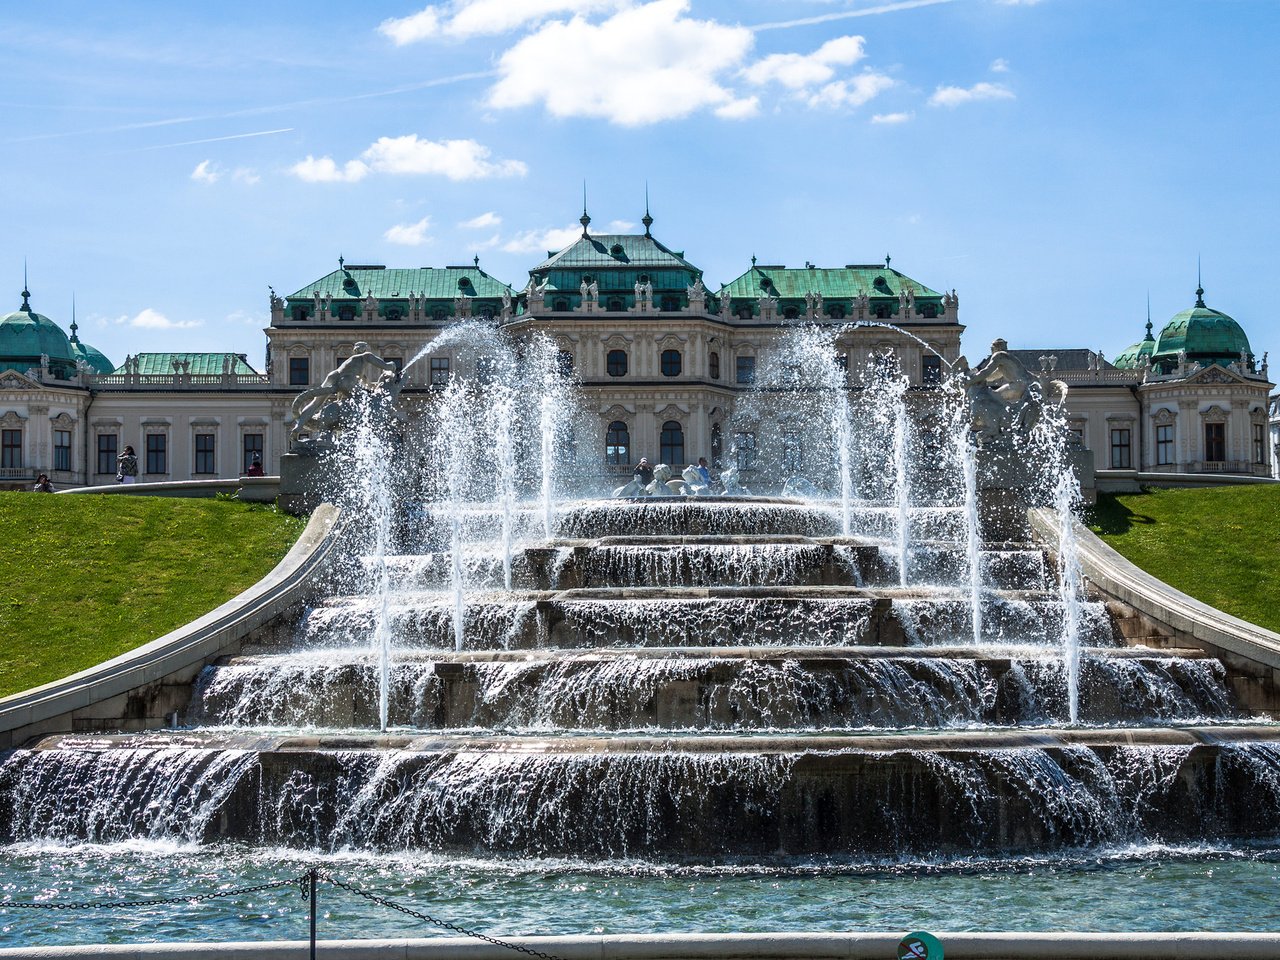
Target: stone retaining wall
<point>769,946</point>
<point>140,689</point>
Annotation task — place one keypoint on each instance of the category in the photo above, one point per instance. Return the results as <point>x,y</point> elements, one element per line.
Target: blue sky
<point>1051,160</point>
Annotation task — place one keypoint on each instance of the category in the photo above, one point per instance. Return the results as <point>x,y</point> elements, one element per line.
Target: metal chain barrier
<point>445,924</point>
<point>299,882</point>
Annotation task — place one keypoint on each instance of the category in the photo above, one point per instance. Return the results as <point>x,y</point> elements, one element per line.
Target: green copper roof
<point>1204,333</point>
<point>152,364</point>
<point>615,250</point>
<point>834,283</point>
<point>25,336</point>
<point>1130,357</point>
<point>436,283</point>
<point>95,358</point>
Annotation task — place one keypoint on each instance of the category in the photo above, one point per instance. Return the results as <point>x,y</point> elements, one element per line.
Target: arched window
<point>616,363</point>
<point>560,304</point>
<point>346,313</point>
<point>929,311</point>
<point>671,363</point>
<point>671,443</point>
<point>744,313</point>
<point>836,311</point>
<point>670,304</point>
<point>299,314</point>
<point>615,305</point>
<point>790,313</point>
<point>713,364</point>
<point>882,311</point>
<point>393,313</point>
<point>617,444</point>
<point>439,313</point>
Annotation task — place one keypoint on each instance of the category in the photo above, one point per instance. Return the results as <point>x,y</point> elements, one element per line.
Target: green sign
<point>920,946</point>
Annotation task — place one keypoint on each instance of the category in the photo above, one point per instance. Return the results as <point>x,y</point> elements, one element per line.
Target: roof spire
<point>341,262</point>
<point>646,219</point>
<point>1199,284</point>
<point>585,219</point>
<point>74,328</point>
<point>887,259</point>
<point>476,260</point>
<point>753,261</point>
<point>1148,336</point>
<point>26,294</point>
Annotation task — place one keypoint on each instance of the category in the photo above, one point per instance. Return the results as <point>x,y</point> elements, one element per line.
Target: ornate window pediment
<point>63,421</point>
<point>12,419</point>
<point>1164,416</point>
<point>671,410</point>
<point>1215,414</point>
<point>670,337</point>
<point>617,340</point>
<point>618,411</point>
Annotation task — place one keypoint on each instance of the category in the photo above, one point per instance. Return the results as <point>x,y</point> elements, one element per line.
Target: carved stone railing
<point>177,381</point>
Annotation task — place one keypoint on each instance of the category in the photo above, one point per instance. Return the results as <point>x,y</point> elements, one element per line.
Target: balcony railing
<point>177,381</point>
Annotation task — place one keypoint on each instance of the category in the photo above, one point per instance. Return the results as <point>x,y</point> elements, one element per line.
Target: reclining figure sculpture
<point>327,409</point>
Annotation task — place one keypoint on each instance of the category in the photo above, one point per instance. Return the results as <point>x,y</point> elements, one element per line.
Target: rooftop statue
<point>326,409</point>
<point>1005,401</point>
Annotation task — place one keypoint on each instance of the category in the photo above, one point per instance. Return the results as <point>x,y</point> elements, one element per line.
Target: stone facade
<point>662,359</point>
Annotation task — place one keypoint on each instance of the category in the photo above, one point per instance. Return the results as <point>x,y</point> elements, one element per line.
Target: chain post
<point>314,878</point>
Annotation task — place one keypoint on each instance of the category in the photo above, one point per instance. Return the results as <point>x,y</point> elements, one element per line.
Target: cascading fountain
<point>841,680</point>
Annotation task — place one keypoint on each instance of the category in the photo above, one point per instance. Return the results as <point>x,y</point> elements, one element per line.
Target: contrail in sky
<point>849,14</point>
<point>234,136</point>
<point>257,111</point>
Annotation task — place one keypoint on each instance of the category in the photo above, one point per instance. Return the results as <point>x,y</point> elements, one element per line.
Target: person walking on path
<point>127,466</point>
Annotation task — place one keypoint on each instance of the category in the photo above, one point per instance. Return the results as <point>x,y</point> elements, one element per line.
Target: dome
<point>1205,334</point>
<point>25,336</point>
<point>1130,358</point>
<point>94,357</point>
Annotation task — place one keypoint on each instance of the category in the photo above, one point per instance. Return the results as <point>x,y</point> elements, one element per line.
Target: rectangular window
<point>932,369</point>
<point>1120,449</point>
<point>253,447</point>
<point>746,369</point>
<point>299,371</point>
<point>10,448</point>
<point>1259,444</point>
<point>439,371</point>
<point>744,448</point>
<point>157,453</point>
<point>62,449</point>
<point>107,446</point>
<point>1164,444</point>
<point>791,459</point>
<point>1215,442</point>
<point>204,453</point>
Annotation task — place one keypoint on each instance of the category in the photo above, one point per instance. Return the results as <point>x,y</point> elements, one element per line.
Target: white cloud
<point>205,172</point>
<point>324,170</point>
<point>486,219</point>
<point>1018,3</point>
<point>892,117</point>
<point>454,159</point>
<point>644,64</point>
<point>999,65</point>
<point>149,319</point>
<point>540,241</point>
<point>246,175</point>
<point>409,234</point>
<point>470,18</point>
<point>954,96</point>
<point>851,93</point>
<point>621,226</point>
<point>798,71</point>
<point>739,109</point>
<point>247,317</point>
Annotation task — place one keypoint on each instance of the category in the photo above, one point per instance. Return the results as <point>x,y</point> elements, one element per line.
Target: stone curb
<point>1183,615</point>
<point>174,658</point>
<point>248,489</point>
<point>775,946</point>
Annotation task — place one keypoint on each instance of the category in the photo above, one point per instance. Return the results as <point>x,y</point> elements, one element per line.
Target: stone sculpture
<point>732,488</point>
<point>328,408</point>
<point>1005,401</point>
<point>693,485</point>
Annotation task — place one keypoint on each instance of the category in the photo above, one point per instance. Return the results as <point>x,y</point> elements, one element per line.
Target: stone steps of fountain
<point>704,689</point>
<point>705,616</point>
<point>709,560</point>
<point>823,745</point>
<point>887,794</point>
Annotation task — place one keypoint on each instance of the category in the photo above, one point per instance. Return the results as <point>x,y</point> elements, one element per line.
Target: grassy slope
<point>1221,545</point>
<point>84,578</point>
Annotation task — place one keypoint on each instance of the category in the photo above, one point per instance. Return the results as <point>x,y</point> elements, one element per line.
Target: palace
<point>662,359</point>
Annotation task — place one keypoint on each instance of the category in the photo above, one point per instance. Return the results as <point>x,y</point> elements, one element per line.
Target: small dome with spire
<point>1204,334</point>
<point>26,336</point>
<point>1130,358</point>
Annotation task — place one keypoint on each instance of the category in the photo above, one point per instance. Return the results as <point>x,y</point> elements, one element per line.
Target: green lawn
<point>84,578</point>
<point>1221,545</point>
